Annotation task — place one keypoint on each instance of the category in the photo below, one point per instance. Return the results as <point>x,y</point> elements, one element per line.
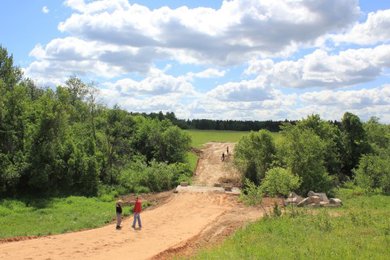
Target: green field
<point>37,217</point>
<point>200,137</point>
<point>358,230</point>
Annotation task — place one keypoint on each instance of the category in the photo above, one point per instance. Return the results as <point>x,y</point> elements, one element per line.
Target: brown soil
<point>178,224</point>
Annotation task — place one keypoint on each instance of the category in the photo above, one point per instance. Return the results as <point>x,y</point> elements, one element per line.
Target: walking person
<point>223,157</point>
<point>227,150</point>
<point>118,207</point>
<point>137,211</point>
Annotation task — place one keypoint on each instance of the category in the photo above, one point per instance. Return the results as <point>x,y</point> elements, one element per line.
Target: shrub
<point>279,181</point>
<point>373,172</point>
<point>157,176</point>
<point>252,194</point>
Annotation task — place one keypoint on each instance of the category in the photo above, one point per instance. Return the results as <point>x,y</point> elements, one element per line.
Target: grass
<point>37,217</point>
<point>200,137</point>
<point>192,159</point>
<point>358,230</point>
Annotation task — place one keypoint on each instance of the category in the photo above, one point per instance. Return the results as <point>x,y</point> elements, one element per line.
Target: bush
<point>279,181</point>
<point>158,176</point>
<point>252,194</point>
<point>373,172</point>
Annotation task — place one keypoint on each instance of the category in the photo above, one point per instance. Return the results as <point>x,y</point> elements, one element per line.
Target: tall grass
<point>358,230</point>
<point>192,159</point>
<point>36,217</point>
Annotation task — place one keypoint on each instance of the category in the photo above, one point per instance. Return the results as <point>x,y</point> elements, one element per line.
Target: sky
<point>236,59</point>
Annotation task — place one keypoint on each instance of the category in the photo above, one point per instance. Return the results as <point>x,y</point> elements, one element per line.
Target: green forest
<point>61,141</point>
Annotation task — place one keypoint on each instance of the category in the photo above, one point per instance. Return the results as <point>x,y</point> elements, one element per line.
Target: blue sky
<point>237,59</point>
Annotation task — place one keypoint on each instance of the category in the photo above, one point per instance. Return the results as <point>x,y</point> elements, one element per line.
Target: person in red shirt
<point>137,211</point>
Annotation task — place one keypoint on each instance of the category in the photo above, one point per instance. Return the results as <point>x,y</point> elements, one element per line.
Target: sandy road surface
<point>212,170</point>
<point>183,223</point>
<point>179,219</point>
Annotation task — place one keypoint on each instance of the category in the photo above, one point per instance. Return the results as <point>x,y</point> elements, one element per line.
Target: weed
<point>277,212</point>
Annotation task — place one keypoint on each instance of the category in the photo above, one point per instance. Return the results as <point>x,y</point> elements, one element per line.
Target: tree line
<point>211,124</point>
<point>61,141</point>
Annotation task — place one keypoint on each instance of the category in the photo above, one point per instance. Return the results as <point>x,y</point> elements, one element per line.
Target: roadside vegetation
<point>358,230</point>
<point>46,216</point>
<point>350,160</point>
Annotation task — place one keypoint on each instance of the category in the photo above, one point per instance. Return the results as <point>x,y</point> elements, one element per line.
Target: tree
<point>9,74</point>
<point>354,142</point>
<point>13,103</point>
<point>116,142</point>
<point>378,135</point>
<point>330,135</point>
<point>175,145</point>
<point>303,152</point>
<point>254,155</point>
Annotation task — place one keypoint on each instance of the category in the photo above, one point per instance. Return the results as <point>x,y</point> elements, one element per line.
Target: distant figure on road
<point>118,214</point>
<point>137,211</point>
<point>223,157</point>
<point>227,150</point>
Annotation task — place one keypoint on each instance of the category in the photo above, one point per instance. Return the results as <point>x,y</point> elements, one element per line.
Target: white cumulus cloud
<point>374,30</point>
<point>321,69</point>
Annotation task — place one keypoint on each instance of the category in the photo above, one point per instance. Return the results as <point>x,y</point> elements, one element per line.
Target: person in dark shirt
<point>118,214</point>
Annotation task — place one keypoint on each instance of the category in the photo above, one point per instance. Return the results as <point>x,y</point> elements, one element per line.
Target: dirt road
<point>183,223</point>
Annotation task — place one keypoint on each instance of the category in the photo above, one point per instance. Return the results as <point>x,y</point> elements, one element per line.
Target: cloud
<point>374,30</point>
<point>228,35</point>
<point>63,57</point>
<point>45,10</point>
<point>330,105</point>
<point>349,99</point>
<point>111,38</point>
<point>321,69</point>
<point>246,90</point>
<point>155,84</point>
<point>205,74</point>
<point>333,104</point>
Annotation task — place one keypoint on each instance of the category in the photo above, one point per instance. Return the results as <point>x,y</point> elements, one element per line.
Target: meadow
<point>200,137</point>
<point>360,229</point>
